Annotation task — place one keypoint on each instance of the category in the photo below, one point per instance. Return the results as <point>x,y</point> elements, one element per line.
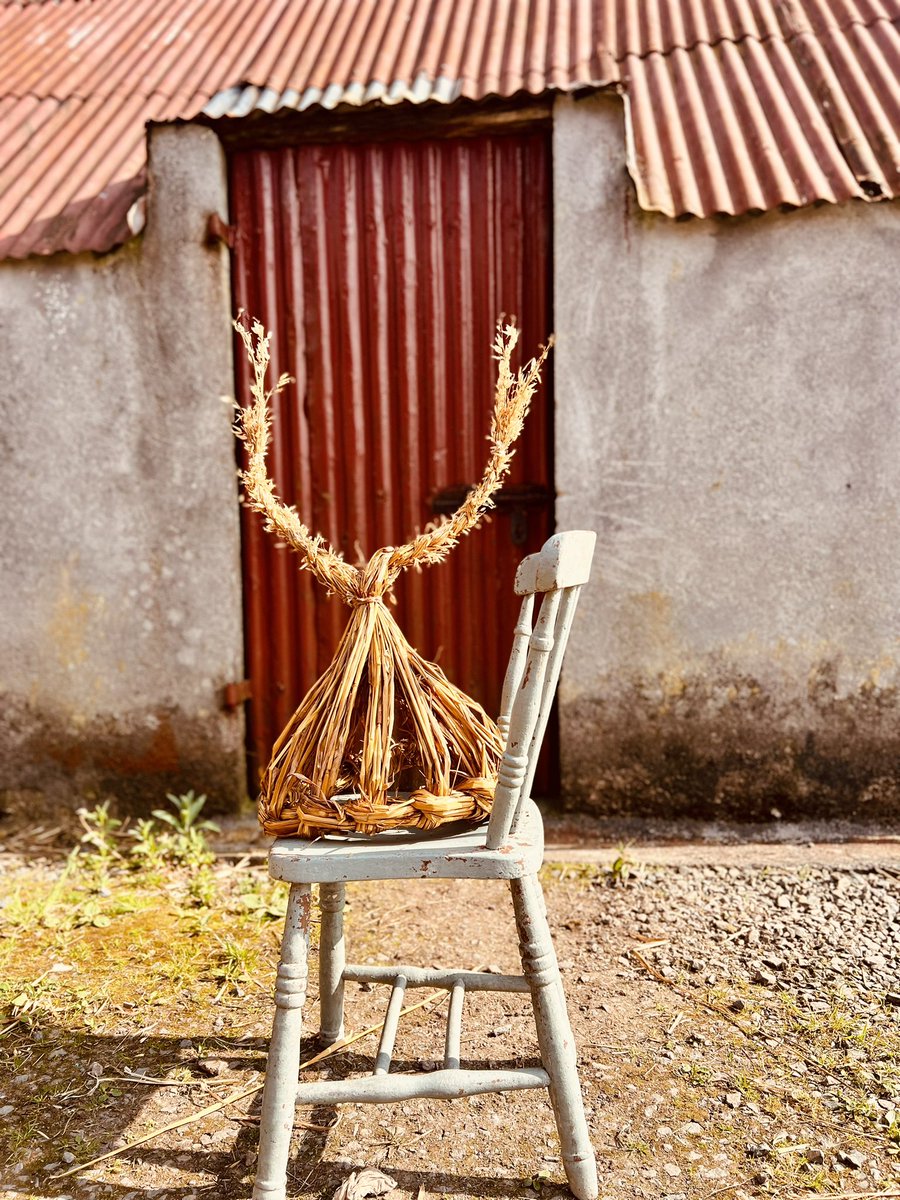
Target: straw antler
<point>253,427</point>
<point>512,397</point>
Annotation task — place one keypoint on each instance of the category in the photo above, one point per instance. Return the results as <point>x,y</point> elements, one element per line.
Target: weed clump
<point>176,838</point>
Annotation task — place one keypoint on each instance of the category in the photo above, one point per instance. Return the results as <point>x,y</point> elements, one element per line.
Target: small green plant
<point>697,1074</point>
<point>263,898</point>
<point>101,831</point>
<point>148,850</point>
<point>622,868</point>
<point>202,888</point>
<point>892,1131</point>
<point>184,841</point>
<point>91,912</point>
<point>27,1006</point>
<point>235,963</point>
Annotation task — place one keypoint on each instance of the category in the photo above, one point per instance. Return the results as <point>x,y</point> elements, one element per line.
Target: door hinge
<point>218,231</point>
<point>236,693</point>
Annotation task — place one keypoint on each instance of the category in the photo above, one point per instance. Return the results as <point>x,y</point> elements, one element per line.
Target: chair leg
<point>282,1069</point>
<point>332,961</point>
<point>554,1035</point>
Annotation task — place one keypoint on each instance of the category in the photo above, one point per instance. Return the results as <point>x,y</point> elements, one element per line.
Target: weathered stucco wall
<point>120,590</point>
<point>728,421</point>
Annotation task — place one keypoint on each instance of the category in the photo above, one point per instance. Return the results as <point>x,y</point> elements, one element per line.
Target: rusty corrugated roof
<point>732,105</point>
<point>748,124</point>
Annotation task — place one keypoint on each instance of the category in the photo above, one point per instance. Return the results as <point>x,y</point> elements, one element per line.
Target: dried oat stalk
<point>383,739</point>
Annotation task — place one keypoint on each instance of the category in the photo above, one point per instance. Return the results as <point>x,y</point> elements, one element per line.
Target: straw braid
<point>253,427</point>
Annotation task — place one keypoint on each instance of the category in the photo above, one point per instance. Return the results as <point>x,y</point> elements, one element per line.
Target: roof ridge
<point>752,37</point>
<point>121,91</point>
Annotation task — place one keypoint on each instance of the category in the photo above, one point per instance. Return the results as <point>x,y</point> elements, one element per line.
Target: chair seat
<point>404,855</point>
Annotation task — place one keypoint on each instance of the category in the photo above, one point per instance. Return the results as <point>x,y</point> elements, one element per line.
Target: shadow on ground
<point>87,1098</point>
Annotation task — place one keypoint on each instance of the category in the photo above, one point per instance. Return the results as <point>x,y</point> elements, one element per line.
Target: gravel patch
<point>802,965</point>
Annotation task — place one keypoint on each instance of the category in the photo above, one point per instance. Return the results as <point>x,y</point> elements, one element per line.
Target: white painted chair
<point>509,848</point>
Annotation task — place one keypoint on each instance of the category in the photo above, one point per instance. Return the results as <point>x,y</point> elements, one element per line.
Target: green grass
<point>90,955</point>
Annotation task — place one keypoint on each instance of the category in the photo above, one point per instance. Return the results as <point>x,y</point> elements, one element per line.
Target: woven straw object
<point>382,740</point>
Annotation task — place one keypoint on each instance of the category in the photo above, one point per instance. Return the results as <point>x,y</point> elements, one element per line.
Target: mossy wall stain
<point>733,747</point>
<point>747,731</point>
<point>133,761</point>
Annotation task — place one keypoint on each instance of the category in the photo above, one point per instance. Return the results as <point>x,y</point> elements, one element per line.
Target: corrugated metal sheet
<point>747,126</point>
<point>191,49</point>
<point>732,104</point>
<point>443,50</point>
<point>381,269</point>
<point>74,172</point>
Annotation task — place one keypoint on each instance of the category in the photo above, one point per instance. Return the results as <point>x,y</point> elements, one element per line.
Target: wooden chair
<point>509,848</point>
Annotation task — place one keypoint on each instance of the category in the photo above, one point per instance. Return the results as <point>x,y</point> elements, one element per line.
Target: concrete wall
<point>727,399</point>
<point>120,586</point>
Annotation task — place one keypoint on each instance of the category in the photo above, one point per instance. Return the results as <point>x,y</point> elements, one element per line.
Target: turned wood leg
<point>282,1069</point>
<point>332,960</point>
<point>554,1035</point>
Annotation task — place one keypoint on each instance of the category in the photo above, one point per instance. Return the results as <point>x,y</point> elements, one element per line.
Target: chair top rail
<point>563,561</point>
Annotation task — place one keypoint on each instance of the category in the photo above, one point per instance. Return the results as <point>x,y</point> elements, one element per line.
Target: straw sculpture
<point>383,740</point>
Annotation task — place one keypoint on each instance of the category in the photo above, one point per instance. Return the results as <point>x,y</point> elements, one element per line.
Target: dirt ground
<point>738,1026</point>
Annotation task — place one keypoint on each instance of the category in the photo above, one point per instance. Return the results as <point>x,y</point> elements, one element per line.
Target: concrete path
<point>884,852</point>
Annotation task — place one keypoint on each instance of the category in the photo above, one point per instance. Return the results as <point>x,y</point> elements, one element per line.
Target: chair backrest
<point>557,573</point>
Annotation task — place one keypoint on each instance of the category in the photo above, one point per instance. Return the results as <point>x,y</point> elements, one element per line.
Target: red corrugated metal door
<point>381,269</point>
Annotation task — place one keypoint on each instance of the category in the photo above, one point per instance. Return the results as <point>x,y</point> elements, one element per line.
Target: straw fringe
<point>382,740</point>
